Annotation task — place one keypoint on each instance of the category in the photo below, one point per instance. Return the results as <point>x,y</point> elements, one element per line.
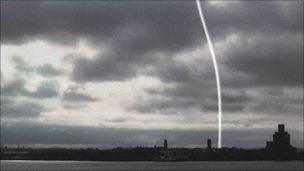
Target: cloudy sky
<point>106,74</point>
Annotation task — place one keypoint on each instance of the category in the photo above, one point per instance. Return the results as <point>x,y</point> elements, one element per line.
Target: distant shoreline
<point>158,154</point>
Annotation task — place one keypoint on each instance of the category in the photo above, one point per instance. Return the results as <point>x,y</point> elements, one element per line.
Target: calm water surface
<point>145,166</point>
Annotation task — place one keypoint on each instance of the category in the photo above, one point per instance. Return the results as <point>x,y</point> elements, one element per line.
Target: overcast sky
<point>107,74</point>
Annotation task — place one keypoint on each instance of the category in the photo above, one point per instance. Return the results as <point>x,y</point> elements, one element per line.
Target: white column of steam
<point>216,74</point>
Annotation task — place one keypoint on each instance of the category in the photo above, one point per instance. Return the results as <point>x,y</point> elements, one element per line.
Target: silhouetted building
<point>280,146</point>
<point>165,144</point>
<point>209,144</point>
<point>208,153</point>
<point>281,139</point>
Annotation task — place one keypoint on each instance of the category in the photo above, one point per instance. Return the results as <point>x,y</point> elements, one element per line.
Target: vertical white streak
<point>219,98</point>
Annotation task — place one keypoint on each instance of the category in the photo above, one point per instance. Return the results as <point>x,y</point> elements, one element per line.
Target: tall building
<point>209,144</point>
<point>281,139</point>
<point>165,144</point>
<point>280,147</point>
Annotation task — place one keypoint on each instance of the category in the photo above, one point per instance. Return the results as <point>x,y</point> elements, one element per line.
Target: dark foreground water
<point>172,166</point>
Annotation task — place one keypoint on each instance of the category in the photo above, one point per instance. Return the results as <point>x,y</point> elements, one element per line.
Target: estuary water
<point>147,166</point>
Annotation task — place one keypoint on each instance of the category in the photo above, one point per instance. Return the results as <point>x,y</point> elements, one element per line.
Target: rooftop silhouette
<point>280,146</point>
<point>165,144</point>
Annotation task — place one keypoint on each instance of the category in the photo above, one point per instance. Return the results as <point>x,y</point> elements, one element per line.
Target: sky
<point>132,73</point>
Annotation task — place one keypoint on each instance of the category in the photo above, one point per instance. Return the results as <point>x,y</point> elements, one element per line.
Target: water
<point>145,166</point>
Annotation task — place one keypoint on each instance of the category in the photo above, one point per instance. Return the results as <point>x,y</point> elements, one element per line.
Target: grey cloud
<point>181,101</point>
<point>13,88</point>
<point>235,97</point>
<point>21,65</point>
<point>117,120</point>
<point>73,106</point>
<point>175,72</point>
<point>103,19</point>
<point>102,69</point>
<point>191,87</point>
<point>133,30</point>
<point>269,60</point>
<point>98,20</point>
<point>46,70</point>
<point>226,107</point>
<point>46,89</point>
<point>77,97</point>
<point>256,61</point>
<point>250,17</point>
<point>183,96</point>
<point>164,106</point>
<point>288,103</point>
<point>264,103</point>
<point>276,108</point>
<point>12,109</point>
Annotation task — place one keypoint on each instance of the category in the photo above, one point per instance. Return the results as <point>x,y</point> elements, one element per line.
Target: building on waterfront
<point>280,145</point>
<point>165,144</point>
<point>168,155</point>
<point>209,144</point>
<point>208,153</point>
<point>281,139</point>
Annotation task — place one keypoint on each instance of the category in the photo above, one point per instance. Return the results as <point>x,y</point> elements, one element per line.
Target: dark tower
<point>281,139</point>
<point>209,144</point>
<point>280,147</point>
<point>165,144</point>
<point>208,154</point>
<point>281,128</point>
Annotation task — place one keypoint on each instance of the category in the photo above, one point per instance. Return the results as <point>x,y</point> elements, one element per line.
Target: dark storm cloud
<point>168,20</point>
<point>264,56</point>
<point>100,20</point>
<point>104,137</point>
<point>12,109</point>
<point>130,29</point>
<point>231,101</point>
<point>273,61</point>
<point>269,52</point>
<point>251,17</point>
<point>279,19</point>
<point>46,89</point>
<point>102,69</point>
<point>134,29</point>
